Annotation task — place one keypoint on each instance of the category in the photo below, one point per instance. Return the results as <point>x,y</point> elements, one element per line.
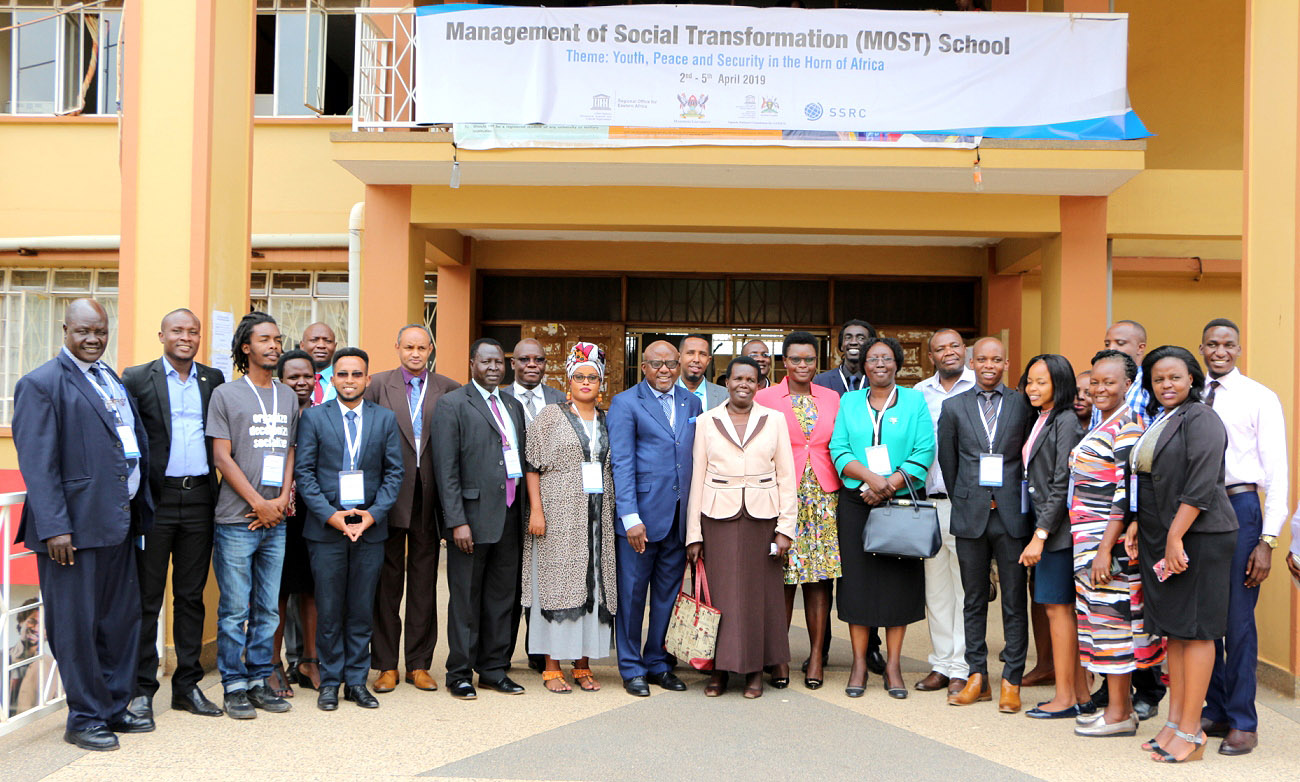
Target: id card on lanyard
<point>878,460</point>
<point>352,482</point>
<point>991,463</point>
<point>125,434</point>
<point>272,463</point>
<point>593,474</point>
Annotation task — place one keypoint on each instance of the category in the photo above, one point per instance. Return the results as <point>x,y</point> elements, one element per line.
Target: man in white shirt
<point>944,593</point>
<point>1256,461</point>
<point>529,364</point>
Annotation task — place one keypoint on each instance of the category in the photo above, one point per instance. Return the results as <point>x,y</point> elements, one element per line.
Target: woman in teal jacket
<point>881,432</point>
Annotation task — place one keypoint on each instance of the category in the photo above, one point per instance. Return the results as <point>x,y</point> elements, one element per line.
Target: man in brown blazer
<point>411,551</point>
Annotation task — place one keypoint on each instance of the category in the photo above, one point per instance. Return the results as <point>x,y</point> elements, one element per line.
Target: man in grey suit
<point>478,466</point>
<point>697,356</point>
<point>529,364</point>
<point>981,432</point>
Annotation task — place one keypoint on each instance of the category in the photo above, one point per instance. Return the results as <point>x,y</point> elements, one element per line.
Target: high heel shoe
<point>898,693</point>
<point>1162,755</point>
<point>1150,746</point>
<point>812,684</point>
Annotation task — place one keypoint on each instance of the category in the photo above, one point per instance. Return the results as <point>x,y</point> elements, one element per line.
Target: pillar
<point>1002,294</point>
<point>1270,278</point>
<point>456,297</point>
<point>392,272</point>
<point>1076,282</point>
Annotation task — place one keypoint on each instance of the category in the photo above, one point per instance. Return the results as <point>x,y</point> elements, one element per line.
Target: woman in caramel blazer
<point>742,510</point>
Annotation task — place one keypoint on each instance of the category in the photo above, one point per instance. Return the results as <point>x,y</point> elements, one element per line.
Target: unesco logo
<point>813,112</point>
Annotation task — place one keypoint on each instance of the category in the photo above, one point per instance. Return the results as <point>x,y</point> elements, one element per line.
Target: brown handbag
<point>693,627</point>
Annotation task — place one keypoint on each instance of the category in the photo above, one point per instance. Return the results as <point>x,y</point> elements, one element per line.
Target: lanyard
<point>111,402</point>
<point>418,410</point>
<point>846,380</point>
<point>354,448</point>
<point>878,419</point>
<point>275,403</point>
<point>591,432</point>
<point>984,421</point>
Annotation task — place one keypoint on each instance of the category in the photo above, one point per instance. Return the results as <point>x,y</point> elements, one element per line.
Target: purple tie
<point>505,446</point>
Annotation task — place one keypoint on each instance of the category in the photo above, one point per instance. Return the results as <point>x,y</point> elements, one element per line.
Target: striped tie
<point>990,414</point>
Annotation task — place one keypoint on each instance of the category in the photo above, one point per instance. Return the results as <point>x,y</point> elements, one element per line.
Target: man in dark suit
<point>348,470</point>
<point>981,432</point>
<point>411,551</point>
<point>83,455</point>
<point>651,435</point>
<point>529,363</point>
<point>479,469</point>
<point>172,393</point>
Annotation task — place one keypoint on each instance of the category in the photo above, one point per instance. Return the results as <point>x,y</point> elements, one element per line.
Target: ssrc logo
<point>813,112</point>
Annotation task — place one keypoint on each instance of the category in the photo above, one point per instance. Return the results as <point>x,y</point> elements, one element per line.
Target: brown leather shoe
<point>1038,676</point>
<point>387,681</point>
<point>935,681</point>
<point>1218,730</point>
<point>1239,742</point>
<point>1009,701</point>
<point>976,689</point>
<point>956,685</point>
<point>421,679</point>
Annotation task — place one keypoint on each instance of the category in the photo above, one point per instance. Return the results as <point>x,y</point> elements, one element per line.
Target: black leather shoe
<point>1144,710</point>
<point>126,722</point>
<point>876,662</point>
<point>261,697</point>
<point>141,706</point>
<point>328,697</point>
<point>358,694</point>
<point>505,685</point>
<point>668,680</point>
<point>537,662</point>
<point>238,707</point>
<point>96,739</point>
<point>637,686</point>
<point>462,689</point>
<point>195,702</point>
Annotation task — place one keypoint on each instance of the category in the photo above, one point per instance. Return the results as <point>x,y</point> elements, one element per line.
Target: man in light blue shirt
<point>697,357</point>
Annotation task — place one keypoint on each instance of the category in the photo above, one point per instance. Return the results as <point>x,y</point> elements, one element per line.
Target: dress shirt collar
<point>526,393</point>
<point>660,394</point>
<point>407,376</point>
<point>964,381</point>
<point>171,371</point>
<point>345,409</point>
<point>1000,390</point>
<point>483,392</point>
<point>1231,379</point>
<point>85,367</point>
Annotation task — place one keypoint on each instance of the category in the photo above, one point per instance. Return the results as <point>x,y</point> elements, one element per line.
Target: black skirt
<point>875,591</point>
<point>296,578</point>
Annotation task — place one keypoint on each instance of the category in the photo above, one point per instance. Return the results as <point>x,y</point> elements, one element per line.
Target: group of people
<point>1124,500</point>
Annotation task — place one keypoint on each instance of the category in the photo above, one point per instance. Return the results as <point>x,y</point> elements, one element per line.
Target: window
<point>31,320</point>
<point>304,58</point>
<point>59,63</point>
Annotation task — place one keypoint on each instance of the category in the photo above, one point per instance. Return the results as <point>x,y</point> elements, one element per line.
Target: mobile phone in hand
<point>1162,570</point>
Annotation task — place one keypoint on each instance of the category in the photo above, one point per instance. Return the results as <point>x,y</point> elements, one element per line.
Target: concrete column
<point>392,271</point>
<point>1002,294</point>
<point>457,292</point>
<point>187,141</point>
<point>1271,279</point>
<point>1075,281</point>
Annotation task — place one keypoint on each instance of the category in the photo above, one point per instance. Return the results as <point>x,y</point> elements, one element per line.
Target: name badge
<point>273,469</point>
<point>1024,496</point>
<point>1133,492</point>
<point>991,469</point>
<point>127,435</point>
<point>352,488</point>
<point>878,460</point>
<point>513,469</point>
<point>593,478</point>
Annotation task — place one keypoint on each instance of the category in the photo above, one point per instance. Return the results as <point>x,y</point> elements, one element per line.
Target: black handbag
<point>903,528</point>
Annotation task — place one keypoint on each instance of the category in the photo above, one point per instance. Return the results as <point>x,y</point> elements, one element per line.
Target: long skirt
<point>875,591</point>
<point>748,586</point>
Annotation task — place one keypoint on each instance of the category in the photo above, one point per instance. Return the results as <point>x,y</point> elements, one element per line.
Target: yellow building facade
<point>215,189</point>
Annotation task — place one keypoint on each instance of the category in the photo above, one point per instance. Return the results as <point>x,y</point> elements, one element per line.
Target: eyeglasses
<point>656,363</point>
<point>530,359</point>
<point>807,361</point>
<point>594,379</point>
<point>878,360</point>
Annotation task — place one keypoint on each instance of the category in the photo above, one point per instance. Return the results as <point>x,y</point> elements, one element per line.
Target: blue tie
<point>417,417</point>
<point>351,423</point>
<point>667,401</point>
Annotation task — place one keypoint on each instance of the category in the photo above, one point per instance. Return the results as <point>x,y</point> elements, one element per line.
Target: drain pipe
<point>356,225</point>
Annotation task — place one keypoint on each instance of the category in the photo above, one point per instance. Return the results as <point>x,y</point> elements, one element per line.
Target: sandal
<point>305,679</point>
<point>1162,755</point>
<point>581,675</point>
<point>278,682</point>
<point>557,675</point>
<point>1151,746</point>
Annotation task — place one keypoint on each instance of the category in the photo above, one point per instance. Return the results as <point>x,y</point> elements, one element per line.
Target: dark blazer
<point>834,380</point>
<point>961,440</point>
<point>468,464</point>
<point>1048,473</point>
<point>1188,468</point>
<point>148,384</point>
<point>72,461</point>
<point>388,389</point>
<point>320,454</point>
<point>652,463</point>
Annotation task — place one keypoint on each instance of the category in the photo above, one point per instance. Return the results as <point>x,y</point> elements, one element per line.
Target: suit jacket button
<point>122,478</point>
<point>126,506</point>
<point>502,487</point>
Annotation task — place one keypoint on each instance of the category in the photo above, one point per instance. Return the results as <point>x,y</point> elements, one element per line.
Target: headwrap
<point>585,354</point>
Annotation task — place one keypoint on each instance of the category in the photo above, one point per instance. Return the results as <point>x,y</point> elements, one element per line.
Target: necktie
<point>102,382</point>
<point>532,404</point>
<point>1209,398</point>
<point>317,393</point>
<point>666,400</point>
<point>351,423</point>
<point>990,414</point>
<point>505,446</point>
<point>417,415</point>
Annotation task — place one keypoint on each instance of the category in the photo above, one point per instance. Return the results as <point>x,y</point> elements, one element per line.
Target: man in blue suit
<point>651,433</point>
<point>82,452</point>
<point>349,471</point>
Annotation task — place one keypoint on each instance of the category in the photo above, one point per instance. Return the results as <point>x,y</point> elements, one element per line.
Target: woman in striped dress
<point>1112,640</point>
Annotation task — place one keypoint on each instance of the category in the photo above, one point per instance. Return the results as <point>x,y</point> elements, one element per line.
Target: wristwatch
<point>1269,540</point>
<point>1041,534</point>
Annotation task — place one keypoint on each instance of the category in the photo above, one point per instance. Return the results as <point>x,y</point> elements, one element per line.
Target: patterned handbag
<point>693,627</point>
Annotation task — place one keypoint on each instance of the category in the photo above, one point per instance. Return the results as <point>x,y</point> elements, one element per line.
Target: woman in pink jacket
<point>815,555</point>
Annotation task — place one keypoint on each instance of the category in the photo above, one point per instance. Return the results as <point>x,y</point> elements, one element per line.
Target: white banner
<point>767,68</point>
<point>485,136</point>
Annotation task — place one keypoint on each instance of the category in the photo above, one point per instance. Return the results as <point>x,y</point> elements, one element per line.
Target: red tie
<point>318,393</point>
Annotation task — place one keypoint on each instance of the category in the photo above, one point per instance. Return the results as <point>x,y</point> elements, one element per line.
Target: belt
<point>936,495</point>
<point>186,482</point>
<point>1242,488</point>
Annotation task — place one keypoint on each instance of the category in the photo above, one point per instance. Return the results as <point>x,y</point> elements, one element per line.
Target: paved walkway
<point>791,734</point>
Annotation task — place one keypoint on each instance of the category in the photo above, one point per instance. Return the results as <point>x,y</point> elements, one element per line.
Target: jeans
<point>247,564</point>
